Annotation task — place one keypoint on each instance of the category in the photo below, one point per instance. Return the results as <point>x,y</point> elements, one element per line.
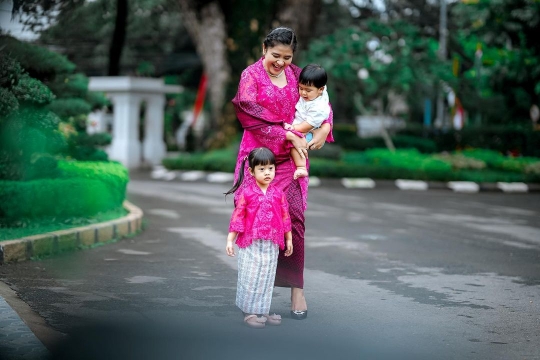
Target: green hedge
<point>219,160</point>
<point>496,160</point>
<point>502,139</point>
<point>378,164</point>
<point>81,189</point>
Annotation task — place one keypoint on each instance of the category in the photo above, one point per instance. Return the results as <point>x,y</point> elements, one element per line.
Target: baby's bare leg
<point>300,162</point>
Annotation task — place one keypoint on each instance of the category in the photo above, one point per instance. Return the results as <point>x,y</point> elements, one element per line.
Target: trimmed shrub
<point>459,161</point>
<point>496,160</point>
<point>32,91</point>
<point>81,189</point>
<point>70,85</point>
<point>68,107</point>
<point>38,61</point>
<point>112,173</point>
<point>59,198</point>
<point>8,102</point>
<point>217,160</point>
<point>423,145</point>
<point>376,164</point>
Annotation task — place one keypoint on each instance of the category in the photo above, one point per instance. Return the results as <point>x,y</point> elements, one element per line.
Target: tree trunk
<point>206,26</point>
<point>119,37</point>
<point>301,16</point>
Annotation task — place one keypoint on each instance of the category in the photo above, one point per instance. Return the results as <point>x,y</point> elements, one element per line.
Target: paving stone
<point>17,341</point>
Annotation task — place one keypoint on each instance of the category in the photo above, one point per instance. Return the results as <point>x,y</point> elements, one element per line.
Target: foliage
<point>217,160</point>
<point>67,108</point>
<point>42,109</point>
<point>372,61</point>
<point>155,38</point>
<point>496,160</point>
<point>78,189</point>
<point>514,139</point>
<point>505,73</point>
<point>29,136</point>
<point>378,164</point>
<point>39,62</point>
<point>32,91</point>
<point>459,161</point>
<point>34,199</point>
<point>421,144</point>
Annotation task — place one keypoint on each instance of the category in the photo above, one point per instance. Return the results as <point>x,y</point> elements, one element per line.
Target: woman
<point>266,99</point>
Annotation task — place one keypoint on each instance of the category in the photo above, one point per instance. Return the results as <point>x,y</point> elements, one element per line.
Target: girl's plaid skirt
<point>256,274</point>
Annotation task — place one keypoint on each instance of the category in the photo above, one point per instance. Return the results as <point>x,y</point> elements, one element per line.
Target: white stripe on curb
<point>360,183</point>
<point>192,175</point>
<point>513,187</point>
<point>411,184</point>
<point>314,181</point>
<point>464,186</point>
<point>220,177</point>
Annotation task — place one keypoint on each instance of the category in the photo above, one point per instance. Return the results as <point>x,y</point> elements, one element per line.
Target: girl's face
<point>264,174</point>
<point>308,92</point>
<point>277,58</point>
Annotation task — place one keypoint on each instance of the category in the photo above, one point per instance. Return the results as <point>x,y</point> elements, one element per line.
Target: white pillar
<point>125,146</point>
<point>154,148</point>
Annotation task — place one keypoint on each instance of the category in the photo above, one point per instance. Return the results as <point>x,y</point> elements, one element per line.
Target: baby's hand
<point>288,126</point>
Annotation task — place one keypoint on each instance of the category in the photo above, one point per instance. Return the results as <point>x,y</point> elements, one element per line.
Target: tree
<point>368,64</point>
<point>500,52</point>
<point>118,38</point>
<point>205,22</point>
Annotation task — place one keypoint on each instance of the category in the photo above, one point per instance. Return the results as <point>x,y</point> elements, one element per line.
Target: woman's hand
<point>299,143</point>
<point>288,126</point>
<point>319,137</point>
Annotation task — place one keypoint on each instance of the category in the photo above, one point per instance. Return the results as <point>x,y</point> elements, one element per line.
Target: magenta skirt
<point>290,269</point>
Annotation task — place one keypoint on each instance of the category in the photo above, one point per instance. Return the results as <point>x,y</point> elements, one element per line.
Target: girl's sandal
<point>254,321</point>
<point>274,319</point>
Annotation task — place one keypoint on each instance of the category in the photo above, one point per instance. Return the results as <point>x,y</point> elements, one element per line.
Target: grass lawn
<point>52,224</point>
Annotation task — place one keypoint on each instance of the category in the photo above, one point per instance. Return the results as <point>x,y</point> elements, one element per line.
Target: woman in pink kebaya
<point>266,99</point>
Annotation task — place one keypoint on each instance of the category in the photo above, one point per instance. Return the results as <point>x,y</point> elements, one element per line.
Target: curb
<point>83,237</point>
<point>161,173</point>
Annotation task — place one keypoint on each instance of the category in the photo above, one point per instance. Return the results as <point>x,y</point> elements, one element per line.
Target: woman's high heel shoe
<point>299,314</point>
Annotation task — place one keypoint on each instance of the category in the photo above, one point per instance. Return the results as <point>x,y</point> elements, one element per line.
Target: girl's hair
<point>256,157</point>
<point>281,35</point>
<point>313,75</point>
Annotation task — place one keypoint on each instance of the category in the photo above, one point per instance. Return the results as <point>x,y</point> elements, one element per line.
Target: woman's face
<point>277,58</point>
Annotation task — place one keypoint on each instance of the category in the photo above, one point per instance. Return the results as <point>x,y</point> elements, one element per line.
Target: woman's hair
<point>256,157</point>
<point>281,35</point>
<point>313,75</point>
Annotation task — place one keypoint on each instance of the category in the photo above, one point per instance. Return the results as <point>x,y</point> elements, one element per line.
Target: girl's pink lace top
<point>260,216</point>
<point>262,108</point>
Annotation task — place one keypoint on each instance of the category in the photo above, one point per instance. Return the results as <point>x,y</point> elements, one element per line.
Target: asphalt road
<point>390,274</point>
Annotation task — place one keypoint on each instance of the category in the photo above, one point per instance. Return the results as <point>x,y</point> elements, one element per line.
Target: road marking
<point>464,186</point>
<point>513,187</point>
<point>133,252</point>
<point>143,279</point>
<point>360,183</point>
<point>167,213</point>
<point>411,184</point>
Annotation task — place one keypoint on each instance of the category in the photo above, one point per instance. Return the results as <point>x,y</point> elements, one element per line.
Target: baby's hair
<point>313,75</point>
<point>256,157</point>
<point>281,35</point>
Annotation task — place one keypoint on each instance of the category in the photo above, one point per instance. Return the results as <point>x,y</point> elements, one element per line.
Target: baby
<point>311,110</point>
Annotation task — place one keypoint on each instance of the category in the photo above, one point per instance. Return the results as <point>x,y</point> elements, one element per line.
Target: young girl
<point>311,109</point>
<point>261,225</point>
